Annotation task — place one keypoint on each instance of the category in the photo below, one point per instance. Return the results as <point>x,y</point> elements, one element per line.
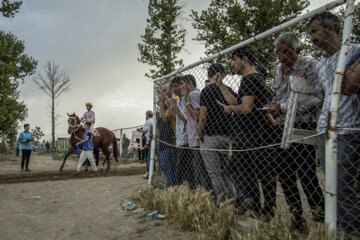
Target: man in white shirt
<point>324,31</point>
<point>148,131</point>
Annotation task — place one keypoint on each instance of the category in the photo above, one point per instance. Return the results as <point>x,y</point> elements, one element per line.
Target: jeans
<point>216,162</point>
<point>348,180</point>
<point>167,162</point>
<point>148,156</point>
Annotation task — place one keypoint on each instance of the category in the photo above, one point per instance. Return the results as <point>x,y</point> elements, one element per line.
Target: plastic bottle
<point>127,206</point>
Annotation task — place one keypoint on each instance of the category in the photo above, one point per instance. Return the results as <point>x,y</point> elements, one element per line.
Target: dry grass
<point>196,210</point>
<point>191,210</point>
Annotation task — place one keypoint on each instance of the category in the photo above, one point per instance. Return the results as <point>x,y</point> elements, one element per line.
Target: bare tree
<point>54,83</point>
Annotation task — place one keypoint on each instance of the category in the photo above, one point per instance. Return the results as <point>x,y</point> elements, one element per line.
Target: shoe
<point>244,205</point>
<point>27,170</point>
<point>146,176</point>
<point>21,170</point>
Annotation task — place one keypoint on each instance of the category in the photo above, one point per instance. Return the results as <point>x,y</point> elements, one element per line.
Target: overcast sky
<point>95,42</point>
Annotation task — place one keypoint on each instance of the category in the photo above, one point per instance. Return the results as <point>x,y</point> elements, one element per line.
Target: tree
<point>355,35</point>
<point>9,9</point>
<point>15,65</point>
<point>228,22</point>
<point>38,134</point>
<point>54,83</point>
<point>164,38</point>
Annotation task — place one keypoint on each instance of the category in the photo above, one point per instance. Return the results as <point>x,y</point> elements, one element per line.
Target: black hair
<point>25,125</point>
<point>247,52</point>
<point>149,113</point>
<point>327,19</point>
<point>176,80</point>
<point>189,79</point>
<point>88,124</point>
<point>215,68</point>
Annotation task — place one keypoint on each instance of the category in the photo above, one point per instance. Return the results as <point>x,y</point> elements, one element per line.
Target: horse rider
<point>89,116</point>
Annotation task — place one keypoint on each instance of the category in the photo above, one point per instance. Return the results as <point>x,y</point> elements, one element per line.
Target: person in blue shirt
<point>87,148</point>
<point>25,139</point>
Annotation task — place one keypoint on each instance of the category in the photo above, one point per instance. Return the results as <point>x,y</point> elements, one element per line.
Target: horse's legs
<point>70,151</point>
<point>107,157</point>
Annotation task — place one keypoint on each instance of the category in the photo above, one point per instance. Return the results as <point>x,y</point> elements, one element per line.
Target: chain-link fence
<point>130,143</point>
<point>259,122</point>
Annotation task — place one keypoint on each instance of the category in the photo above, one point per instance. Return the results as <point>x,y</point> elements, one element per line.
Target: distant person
<point>89,116</point>
<point>141,150</point>
<point>148,131</point>
<point>47,145</point>
<point>87,148</point>
<point>125,146</point>
<point>25,139</point>
<point>17,148</point>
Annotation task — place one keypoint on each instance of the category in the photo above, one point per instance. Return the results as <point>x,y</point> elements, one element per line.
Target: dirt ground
<point>87,207</point>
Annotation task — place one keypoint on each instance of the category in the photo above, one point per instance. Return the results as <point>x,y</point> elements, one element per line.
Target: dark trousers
<point>248,168</point>
<point>141,154</point>
<point>25,158</point>
<point>184,166</point>
<point>97,155</point>
<point>348,179</point>
<point>201,176</point>
<point>17,152</point>
<point>300,159</point>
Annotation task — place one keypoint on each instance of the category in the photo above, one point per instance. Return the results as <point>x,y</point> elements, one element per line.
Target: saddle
<point>95,132</point>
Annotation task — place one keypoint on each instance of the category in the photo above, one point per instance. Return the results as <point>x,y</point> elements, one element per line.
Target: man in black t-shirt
<point>214,125</point>
<point>249,124</point>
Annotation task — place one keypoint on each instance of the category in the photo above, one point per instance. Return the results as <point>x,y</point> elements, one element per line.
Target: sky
<point>95,42</point>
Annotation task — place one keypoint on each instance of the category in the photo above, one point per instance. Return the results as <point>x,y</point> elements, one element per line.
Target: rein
<point>75,127</point>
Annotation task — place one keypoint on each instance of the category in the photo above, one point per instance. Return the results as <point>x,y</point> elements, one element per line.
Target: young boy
<point>87,148</point>
<point>25,139</point>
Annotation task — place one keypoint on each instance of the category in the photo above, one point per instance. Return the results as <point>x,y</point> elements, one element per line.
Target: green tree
<point>164,38</point>
<point>228,22</point>
<point>38,134</point>
<point>355,36</point>
<point>15,65</point>
<point>9,9</point>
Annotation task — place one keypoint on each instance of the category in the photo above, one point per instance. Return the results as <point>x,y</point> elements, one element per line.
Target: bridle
<point>75,127</point>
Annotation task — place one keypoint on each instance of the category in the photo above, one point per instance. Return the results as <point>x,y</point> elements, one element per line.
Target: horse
<point>105,138</point>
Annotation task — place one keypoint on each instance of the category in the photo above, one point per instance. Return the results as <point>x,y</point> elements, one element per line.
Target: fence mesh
<point>251,125</point>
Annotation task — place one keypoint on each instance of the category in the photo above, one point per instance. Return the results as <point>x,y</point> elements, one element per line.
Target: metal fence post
<point>153,141</point>
<point>121,142</point>
<point>331,134</point>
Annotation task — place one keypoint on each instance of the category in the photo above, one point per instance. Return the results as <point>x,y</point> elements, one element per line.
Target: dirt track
<point>43,168</point>
<point>81,208</point>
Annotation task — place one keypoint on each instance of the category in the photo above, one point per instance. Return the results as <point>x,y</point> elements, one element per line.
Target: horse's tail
<point>115,149</point>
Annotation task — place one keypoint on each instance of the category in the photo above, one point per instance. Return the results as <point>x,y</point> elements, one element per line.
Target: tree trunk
<point>53,128</point>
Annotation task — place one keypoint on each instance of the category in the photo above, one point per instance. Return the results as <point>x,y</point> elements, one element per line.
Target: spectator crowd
<point>211,138</point>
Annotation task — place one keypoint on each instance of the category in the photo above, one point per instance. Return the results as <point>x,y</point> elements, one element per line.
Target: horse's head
<point>73,123</point>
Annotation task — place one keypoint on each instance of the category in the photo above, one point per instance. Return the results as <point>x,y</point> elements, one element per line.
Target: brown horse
<point>105,138</point>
